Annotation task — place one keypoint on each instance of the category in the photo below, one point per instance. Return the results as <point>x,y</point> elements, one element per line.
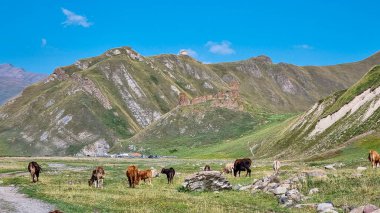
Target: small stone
<point>330,167</point>
<point>313,191</point>
<point>361,168</point>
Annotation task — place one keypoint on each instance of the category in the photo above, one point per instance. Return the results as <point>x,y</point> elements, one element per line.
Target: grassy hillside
<point>335,122</point>
<point>89,107</point>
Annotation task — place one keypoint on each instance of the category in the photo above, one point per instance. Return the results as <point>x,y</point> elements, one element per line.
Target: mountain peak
<point>128,51</point>
<point>262,58</point>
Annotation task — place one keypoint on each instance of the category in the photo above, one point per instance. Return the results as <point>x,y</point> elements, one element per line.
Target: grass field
<point>63,183</point>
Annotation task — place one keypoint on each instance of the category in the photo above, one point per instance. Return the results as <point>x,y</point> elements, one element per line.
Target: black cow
<point>169,174</point>
<point>242,165</point>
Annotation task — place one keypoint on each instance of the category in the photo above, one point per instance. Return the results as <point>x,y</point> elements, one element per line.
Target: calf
<point>34,170</point>
<point>228,168</point>
<point>97,177</point>
<point>276,166</point>
<point>169,174</point>
<point>374,158</point>
<point>146,175</point>
<point>133,176</point>
<point>242,165</point>
<point>207,168</point>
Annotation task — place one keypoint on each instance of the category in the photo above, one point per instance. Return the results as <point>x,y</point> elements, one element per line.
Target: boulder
<point>325,207</point>
<point>279,190</point>
<point>361,168</point>
<point>206,181</point>
<point>369,208</point>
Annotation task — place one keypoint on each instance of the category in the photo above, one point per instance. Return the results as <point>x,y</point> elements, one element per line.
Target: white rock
<point>330,167</point>
<point>313,191</point>
<point>280,190</point>
<point>323,207</point>
<point>361,168</point>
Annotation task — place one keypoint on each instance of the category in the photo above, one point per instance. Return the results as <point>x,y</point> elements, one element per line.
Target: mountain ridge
<point>100,101</point>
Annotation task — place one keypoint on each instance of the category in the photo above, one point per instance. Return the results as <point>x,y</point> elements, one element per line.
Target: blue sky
<point>40,35</point>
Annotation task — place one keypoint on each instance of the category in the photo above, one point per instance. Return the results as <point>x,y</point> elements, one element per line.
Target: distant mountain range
<point>123,101</point>
<point>13,80</point>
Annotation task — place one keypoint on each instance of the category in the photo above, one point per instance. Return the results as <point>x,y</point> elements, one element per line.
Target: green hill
<point>346,117</point>
<point>97,104</point>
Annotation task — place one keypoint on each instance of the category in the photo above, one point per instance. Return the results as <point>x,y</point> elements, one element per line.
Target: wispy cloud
<point>303,46</point>
<point>75,19</point>
<point>43,42</point>
<point>222,48</point>
<point>189,52</point>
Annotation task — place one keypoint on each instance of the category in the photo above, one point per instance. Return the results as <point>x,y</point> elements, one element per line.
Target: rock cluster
<point>286,191</point>
<point>206,181</point>
<point>369,208</point>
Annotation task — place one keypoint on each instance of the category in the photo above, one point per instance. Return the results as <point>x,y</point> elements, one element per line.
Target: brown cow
<point>207,168</point>
<point>133,176</point>
<point>146,175</point>
<point>374,158</point>
<point>242,165</point>
<point>97,177</point>
<point>34,170</point>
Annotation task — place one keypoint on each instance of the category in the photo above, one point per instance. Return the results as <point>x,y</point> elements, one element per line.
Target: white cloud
<point>74,19</point>
<point>303,46</point>
<point>222,48</point>
<point>189,52</point>
<point>43,42</point>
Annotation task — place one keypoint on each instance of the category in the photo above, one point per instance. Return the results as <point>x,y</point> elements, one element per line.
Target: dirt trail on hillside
<point>11,201</point>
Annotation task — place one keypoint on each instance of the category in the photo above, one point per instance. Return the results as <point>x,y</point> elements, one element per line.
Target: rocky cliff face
<point>335,120</point>
<point>97,102</point>
<point>13,80</point>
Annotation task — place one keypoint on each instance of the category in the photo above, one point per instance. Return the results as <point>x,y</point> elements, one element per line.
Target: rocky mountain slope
<point>13,80</point>
<point>89,107</point>
<point>333,122</point>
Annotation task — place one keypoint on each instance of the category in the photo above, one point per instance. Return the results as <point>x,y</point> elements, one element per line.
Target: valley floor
<point>63,183</point>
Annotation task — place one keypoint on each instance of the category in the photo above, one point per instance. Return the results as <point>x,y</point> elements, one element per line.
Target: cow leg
<point>32,176</point>
<point>248,172</point>
<point>37,175</point>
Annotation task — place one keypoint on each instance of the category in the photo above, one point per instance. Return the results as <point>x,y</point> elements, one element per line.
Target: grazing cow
<point>34,170</point>
<point>146,175</point>
<point>242,165</point>
<point>97,177</point>
<point>169,174</point>
<point>374,158</point>
<point>276,166</point>
<point>207,168</point>
<point>133,176</point>
<point>228,168</point>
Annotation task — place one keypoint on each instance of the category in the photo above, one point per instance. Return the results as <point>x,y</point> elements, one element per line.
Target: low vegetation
<point>63,183</point>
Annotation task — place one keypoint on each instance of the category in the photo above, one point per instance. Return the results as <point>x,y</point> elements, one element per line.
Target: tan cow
<point>374,158</point>
<point>276,166</point>
<point>228,168</point>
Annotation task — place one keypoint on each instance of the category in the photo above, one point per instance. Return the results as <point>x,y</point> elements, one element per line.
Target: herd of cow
<point>134,175</point>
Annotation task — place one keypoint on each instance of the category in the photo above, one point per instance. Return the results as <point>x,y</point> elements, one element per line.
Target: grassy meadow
<point>63,182</point>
